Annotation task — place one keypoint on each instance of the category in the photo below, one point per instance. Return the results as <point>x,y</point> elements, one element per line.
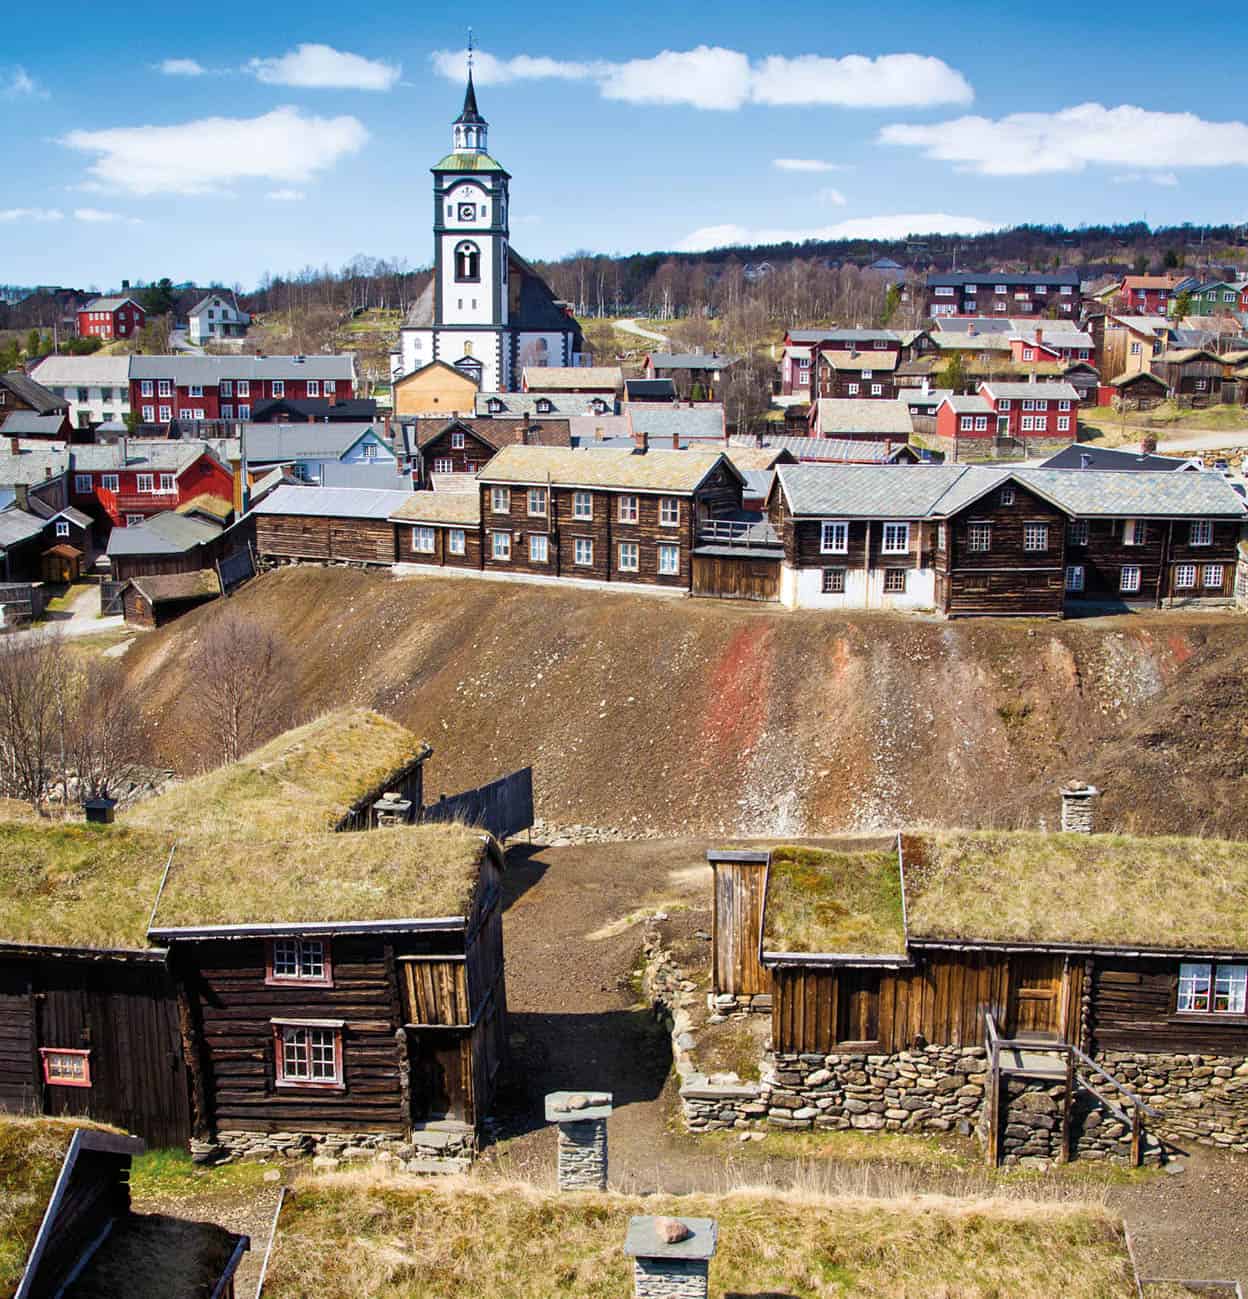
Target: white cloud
<point>31,214</point>
<point>890,81</point>
<point>898,226</point>
<point>1032,144</point>
<point>806,164</point>
<point>285,195</point>
<point>21,85</point>
<point>1165,178</point>
<point>199,157</point>
<point>833,196</point>
<point>712,77</point>
<point>323,67</point>
<point>182,68</point>
<point>98,216</point>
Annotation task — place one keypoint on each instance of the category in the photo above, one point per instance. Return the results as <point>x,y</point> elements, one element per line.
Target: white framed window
<point>669,559</point>
<point>110,482</point>
<point>455,541</point>
<point>443,465</point>
<point>195,390</point>
<point>163,388</point>
<point>867,374</point>
<point>628,560</point>
<point>1006,496</point>
<point>166,414</point>
<point>82,484</point>
<point>537,502</point>
<point>1201,533</point>
<point>1129,579</point>
<point>314,387</point>
<point>1202,385</point>
<point>628,510</point>
<point>942,535</point>
<point>877,389</point>
<point>539,548</point>
<point>946,291</point>
<point>62,528</point>
<point>981,423</point>
<point>1035,536</point>
<point>1000,307</point>
<point>669,512</point>
<point>972,289</point>
<point>852,389</point>
<point>298,960</point>
<point>501,545</point>
<point>145,388</point>
<point>1136,349</point>
<point>244,388</point>
<point>244,412</point>
<point>1212,575</point>
<point>149,414</point>
<point>168,483</point>
<point>1230,982</point>
<point>896,539</point>
<point>979,536</point>
<point>279,388</point>
<point>967,423</point>
<point>1208,989</point>
<point>1135,532</point>
<point>1077,532</point>
<point>500,500</point>
<point>329,387</point>
<point>227,387</point>
<point>582,505</point>
<point>834,538</point>
<point>1066,290</point>
<point>308,1053</point>
<point>227,410</point>
<point>423,540</point>
<point>1063,423</point>
<point>1003,404</point>
<point>1075,577</point>
<point>145,483</point>
<point>1184,577</point>
<point>583,551</point>
<point>1063,405</point>
<point>895,581</point>
<point>1001,288</point>
<point>833,582</point>
<point>457,440</point>
<point>1029,353</point>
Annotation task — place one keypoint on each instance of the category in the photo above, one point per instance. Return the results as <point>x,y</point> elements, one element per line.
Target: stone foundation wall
<point>1031,1131</point>
<point>439,1147</point>
<point>583,1156</point>
<point>1201,1097</point>
<point>675,1278</point>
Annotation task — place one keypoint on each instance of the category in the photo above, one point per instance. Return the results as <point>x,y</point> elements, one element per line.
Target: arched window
<point>467,262</point>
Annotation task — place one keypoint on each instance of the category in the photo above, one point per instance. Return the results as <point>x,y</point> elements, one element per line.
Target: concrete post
<point>671,1256</point>
<point>582,1119</point>
<point>1077,814</point>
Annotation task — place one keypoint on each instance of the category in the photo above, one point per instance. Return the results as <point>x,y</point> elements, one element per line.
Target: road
<point>1196,441</point>
<point>80,618</point>
<point>630,326</point>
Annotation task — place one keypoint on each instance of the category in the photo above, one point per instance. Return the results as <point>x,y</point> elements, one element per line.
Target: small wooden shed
<point>158,599</point>
<point>62,564</point>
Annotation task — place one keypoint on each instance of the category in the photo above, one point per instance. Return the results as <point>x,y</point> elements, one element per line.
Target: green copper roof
<point>468,162</point>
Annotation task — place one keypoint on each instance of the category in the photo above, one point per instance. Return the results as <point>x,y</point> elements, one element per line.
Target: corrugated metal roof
<point>692,360</point>
<point>212,369</point>
<point>84,371</point>
<point>968,405</point>
<point>25,423</point>
<point>524,403</point>
<point>332,502</point>
<point>163,534</point>
<point>836,415</point>
<point>678,472</point>
<point>106,304</point>
<point>169,455</point>
<point>867,491</point>
<point>440,507</point>
<point>836,450</point>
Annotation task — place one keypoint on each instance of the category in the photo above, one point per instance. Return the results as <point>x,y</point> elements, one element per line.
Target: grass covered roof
<point>365,1236</point>
<point>840,900</point>
<point>412,872</point>
<point>1099,890</point>
<point>305,780</point>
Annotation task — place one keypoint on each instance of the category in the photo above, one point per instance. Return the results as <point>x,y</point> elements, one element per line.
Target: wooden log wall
<point>737,921</point>
<point>1133,1009</point>
<point>297,536</point>
<point>20,1090</point>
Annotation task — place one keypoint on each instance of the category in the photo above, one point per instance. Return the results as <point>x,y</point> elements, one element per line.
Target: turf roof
<point>306,779</point>
<point>847,902</point>
<point>412,872</point>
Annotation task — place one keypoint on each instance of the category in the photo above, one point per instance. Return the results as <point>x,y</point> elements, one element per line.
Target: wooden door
<point>1035,996</point>
<point>738,919</point>
<point>439,1076</point>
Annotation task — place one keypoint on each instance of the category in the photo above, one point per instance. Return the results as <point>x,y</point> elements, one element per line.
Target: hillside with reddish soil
<point>682,716</point>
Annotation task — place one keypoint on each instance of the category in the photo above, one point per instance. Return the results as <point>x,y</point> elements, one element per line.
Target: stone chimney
<point>1039,334</point>
<point>392,809</point>
<point>671,1256</point>
<point>582,1119</point>
<point>642,440</point>
<point>1077,807</point>
<point>1148,444</point>
<point>1085,460</point>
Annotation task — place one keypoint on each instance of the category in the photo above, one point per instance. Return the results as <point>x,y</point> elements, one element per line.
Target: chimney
<point>582,1144</point>
<point>15,446</point>
<point>671,1256</point>
<point>1085,460</point>
<point>642,440</point>
<point>675,441</point>
<point>971,331</point>
<point>1039,334</point>
<point>239,484</point>
<point>1077,810</point>
<point>391,809</point>
<point>525,425</point>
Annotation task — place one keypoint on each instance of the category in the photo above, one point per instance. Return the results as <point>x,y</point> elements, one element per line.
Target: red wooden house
<point>1149,295</point>
<point>1051,345</point>
<point>110,318</point>
<point>1021,410</point>
<point>128,482</point>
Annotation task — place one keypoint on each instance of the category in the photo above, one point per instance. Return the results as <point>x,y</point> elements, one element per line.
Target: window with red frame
<point>299,960</point>
<point>65,1067</point>
<point>308,1053</point>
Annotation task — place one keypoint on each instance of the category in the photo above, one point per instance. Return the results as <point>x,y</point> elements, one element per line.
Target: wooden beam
<point>1067,1106</point>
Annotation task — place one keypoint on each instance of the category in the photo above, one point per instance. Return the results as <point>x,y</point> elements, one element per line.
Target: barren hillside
<point>687,716</point>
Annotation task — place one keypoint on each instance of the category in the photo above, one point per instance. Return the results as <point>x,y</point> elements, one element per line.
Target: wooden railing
<point>738,532</point>
<point>1079,1070</point>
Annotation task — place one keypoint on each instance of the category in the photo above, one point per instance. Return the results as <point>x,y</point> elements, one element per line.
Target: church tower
<point>471,238</point>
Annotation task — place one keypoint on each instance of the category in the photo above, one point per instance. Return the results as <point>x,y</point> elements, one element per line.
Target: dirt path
<point>630,326</point>
<point>573,937</point>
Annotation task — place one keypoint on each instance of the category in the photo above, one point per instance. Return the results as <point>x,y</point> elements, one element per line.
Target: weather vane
<point>469,51</point>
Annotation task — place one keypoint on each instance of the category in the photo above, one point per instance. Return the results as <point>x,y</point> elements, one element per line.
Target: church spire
<point>470,127</point>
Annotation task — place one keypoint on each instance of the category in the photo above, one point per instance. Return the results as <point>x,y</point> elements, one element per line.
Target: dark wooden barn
<point>340,524</point>
<point>154,601</point>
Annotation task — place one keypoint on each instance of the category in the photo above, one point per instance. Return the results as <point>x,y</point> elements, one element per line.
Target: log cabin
<point>69,1229</point>
<point>906,978</point>
<point>154,601</point>
<point>442,529</point>
<point>848,373</point>
<point>336,524</point>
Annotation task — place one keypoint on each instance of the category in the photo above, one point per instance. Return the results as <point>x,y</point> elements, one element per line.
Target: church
<point>486,312</point>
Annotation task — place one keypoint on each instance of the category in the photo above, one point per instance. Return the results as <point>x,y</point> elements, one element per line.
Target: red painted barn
<point>1021,410</point>
<point>109,318</point>
<point>129,481</point>
<point>164,388</point>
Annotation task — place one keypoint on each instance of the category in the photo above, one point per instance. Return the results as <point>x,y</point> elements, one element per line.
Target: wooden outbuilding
<point>153,601</point>
<point>62,564</point>
<point>340,524</point>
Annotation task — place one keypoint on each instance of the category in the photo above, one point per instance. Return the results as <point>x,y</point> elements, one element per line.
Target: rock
<point>1175,1168</point>
<point>671,1231</point>
<point>273,1175</point>
<point>324,1164</point>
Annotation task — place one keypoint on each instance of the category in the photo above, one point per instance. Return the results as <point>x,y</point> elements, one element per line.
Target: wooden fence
<point>504,807</point>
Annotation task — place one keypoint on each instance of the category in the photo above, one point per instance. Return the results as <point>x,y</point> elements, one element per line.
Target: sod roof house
<point>67,1227</point>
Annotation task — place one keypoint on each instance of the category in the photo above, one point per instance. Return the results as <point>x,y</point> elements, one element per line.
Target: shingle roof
<point>106,304</point>
<point>17,526</point>
<point>212,369</point>
<point>332,502</point>
<point>1044,391</point>
<point>809,335</point>
<point>267,443</point>
<point>30,467</point>
<point>662,420</point>
<point>543,378</point>
<point>847,360</point>
<point>84,371</point>
<point>163,534</point>
<point>1112,494</point>
<point>833,450</point>
<point>500,431</point>
<point>967,405</point>
<point>678,472</point>
<point>26,424</point>
<point>32,392</point>
<point>692,360</point>
<point>972,342</point>
<point>525,403</point>
<point>835,415</point>
<point>378,475</point>
<point>169,455</point>
<point>440,507</point>
<point>870,335</point>
<point>867,491</point>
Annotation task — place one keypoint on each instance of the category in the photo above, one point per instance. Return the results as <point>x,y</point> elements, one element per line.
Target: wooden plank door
<point>738,921</point>
<point>1035,996</point>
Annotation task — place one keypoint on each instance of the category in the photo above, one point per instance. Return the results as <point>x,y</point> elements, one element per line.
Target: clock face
<point>467,211</point>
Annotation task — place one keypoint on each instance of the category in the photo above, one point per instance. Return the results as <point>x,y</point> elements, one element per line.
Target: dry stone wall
<point>439,1147</point>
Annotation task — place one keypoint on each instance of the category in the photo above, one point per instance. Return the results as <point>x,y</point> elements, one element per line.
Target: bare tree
<point>244,676</point>
<point>33,684</point>
<point>105,735</point>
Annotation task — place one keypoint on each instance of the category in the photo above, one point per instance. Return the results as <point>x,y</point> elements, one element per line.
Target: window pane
<point>295,1052</point>
<point>1229,988</point>
<point>1194,986</point>
<point>286,958</point>
<point>323,1061</point>
<point>313,959</point>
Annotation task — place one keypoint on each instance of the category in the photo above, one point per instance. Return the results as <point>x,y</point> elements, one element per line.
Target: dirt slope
<point>696,716</point>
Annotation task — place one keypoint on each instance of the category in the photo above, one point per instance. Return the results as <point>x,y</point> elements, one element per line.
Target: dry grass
<point>356,1235</point>
<point>31,1154</point>
<point>306,779</point>
<point>834,901</point>
<point>415,871</point>
<point>78,885</point>
<point>1015,886</point>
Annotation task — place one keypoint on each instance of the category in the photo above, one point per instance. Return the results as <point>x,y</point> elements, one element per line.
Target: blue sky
<point>219,142</point>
